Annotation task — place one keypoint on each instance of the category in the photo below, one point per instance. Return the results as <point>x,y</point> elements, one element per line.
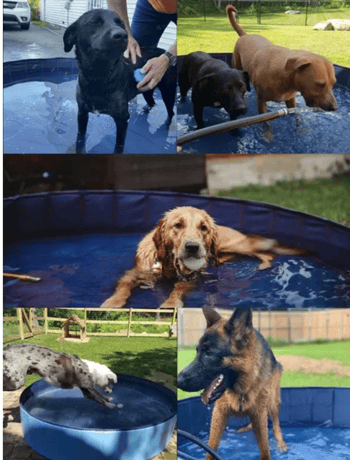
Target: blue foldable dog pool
<point>80,243</point>
<point>315,424</point>
<point>40,114</point>
<point>325,132</point>
<point>63,425</point>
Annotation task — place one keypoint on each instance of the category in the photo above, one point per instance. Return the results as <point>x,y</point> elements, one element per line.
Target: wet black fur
<point>106,80</point>
<point>213,81</point>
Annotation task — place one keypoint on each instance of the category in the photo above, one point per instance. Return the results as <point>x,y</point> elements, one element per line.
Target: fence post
<point>307,3</point>
<point>129,324</point>
<point>258,12</point>
<point>46,323</point>
<point>20,321</point>
<point>309,325</point>
<point>341,326</point>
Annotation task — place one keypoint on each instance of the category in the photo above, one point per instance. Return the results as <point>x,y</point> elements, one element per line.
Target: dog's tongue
<point>207,394</point>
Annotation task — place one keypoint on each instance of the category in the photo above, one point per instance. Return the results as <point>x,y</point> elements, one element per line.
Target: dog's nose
<point>332,107</point>
<point>119,35</point>
<point>192,247</point>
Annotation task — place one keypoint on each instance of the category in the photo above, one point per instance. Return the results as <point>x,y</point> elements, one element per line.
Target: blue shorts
<point>148,24</point>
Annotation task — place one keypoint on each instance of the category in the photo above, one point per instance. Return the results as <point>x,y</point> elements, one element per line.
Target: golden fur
<point>185,240</point>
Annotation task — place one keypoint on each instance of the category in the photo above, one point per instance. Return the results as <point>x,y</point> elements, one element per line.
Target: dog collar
<point>241,399</point>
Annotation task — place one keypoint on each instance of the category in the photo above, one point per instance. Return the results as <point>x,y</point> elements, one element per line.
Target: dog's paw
<point>282,446</point>
<point>110,405</point>
<point>264,266</point>
<point>112,303</point>
<point>178,303</point>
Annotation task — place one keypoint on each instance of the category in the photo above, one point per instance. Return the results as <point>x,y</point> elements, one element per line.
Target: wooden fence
<point>289,326</point>
<point>26,328</point>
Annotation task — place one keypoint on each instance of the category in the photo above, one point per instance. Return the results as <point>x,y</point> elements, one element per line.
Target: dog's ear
<point>296,63</point>
<point>159,240</point>
<point>240,326</point>
<point>203,83</point>
<point>214,248</point>
<point>246,80</point>
<point>70,37</point>
<point>211,315</point>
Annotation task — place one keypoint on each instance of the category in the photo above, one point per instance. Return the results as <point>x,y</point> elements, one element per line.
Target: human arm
<point>155,69</point>
<point>133,49</point>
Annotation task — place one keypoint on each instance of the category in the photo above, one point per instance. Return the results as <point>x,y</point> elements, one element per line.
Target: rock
<point>341,24</point>
<point>324,25</point>
<point>333,24</point>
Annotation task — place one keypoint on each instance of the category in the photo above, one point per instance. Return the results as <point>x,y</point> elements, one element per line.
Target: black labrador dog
<point>106,81</point>
<point>214,84</point>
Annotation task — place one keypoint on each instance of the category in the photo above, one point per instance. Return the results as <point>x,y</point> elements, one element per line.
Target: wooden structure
<point>80,328</point>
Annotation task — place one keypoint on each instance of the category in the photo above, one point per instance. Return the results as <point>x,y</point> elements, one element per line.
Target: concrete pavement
<point>35,43</point>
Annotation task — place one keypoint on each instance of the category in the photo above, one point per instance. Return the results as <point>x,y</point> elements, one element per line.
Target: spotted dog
<point>59,369</point>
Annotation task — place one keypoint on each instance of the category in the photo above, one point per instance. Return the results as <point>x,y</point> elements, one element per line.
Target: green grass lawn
<point>338,351</point>
<point>327,198</point>
<point>334,350</point>
<point>216,35</point>
<point>139,356</point>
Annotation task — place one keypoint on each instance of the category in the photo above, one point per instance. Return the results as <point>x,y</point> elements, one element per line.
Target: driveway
<point>35,43</point>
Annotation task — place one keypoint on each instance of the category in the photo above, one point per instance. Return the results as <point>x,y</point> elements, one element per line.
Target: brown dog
<point>181,246</point>
<point>238,371</point>
<point>278,73</point>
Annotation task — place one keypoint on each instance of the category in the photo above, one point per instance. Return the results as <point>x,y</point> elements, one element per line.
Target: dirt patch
<point>313,366</point>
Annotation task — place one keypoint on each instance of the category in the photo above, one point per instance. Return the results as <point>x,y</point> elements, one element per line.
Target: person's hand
<point>154,69</point>
<point>133,50</point>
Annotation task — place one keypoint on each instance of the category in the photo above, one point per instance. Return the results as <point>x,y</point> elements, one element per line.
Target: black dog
<point>214,84</point>
<point>59,369</point>
<point>238,371</point>
<point>106,81</point>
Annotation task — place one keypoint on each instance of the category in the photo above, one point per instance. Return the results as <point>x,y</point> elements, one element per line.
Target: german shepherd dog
<point>238,371</point>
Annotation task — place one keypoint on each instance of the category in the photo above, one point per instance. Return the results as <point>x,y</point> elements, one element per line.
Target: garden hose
<point>199,443</point>
<point>230,125</point>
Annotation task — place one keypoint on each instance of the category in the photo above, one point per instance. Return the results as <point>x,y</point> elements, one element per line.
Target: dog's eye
<point>98,22</point>
<point>178,225</point>
<point>118,22</point>
<point>204,228</point>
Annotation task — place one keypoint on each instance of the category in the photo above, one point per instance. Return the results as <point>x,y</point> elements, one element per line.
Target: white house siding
<point>54,12</point>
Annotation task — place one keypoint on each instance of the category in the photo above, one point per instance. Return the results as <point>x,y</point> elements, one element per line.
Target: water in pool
<point>136,406</point>
<point>326,132</point>
<point>304,442</point>
<point>41,117</point>
<point>82,271</point>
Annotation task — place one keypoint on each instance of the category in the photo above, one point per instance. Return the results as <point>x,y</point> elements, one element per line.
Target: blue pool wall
<point>299,406</point>
<point>86,212</point>
<point>48,70</point>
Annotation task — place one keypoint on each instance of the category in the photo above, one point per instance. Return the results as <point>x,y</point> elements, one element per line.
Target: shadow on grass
<point>143,364</point>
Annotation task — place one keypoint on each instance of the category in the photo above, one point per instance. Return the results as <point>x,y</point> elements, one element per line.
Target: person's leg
<point>148,24</point>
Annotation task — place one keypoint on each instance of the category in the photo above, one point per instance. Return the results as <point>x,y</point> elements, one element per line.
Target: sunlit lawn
<point>215,35</point>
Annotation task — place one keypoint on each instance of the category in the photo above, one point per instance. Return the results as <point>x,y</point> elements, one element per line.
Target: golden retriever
<point>185,240</point>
